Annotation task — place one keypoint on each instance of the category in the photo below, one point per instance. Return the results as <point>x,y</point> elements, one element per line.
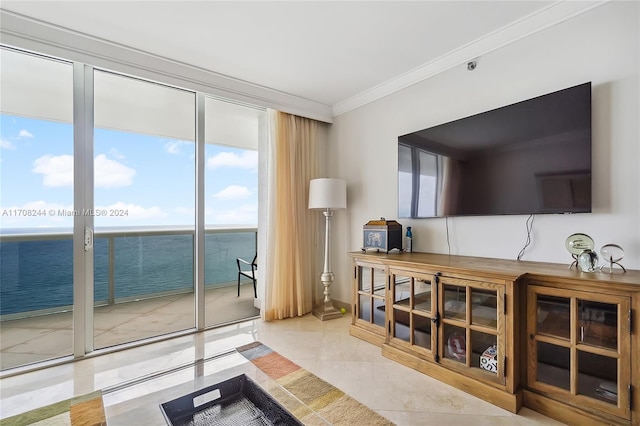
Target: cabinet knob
<point>531,336</point>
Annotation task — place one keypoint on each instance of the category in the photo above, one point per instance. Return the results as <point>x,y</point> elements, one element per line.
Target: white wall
<point>601,46</point>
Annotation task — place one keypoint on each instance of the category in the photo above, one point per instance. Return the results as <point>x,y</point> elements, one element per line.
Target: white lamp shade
<point>327,193</point>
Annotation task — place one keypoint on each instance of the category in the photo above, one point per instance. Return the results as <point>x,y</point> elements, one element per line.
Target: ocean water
<point>38,275</point>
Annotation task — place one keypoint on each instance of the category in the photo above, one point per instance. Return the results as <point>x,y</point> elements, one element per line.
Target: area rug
<point>312,400</point>
<point>85,410</point>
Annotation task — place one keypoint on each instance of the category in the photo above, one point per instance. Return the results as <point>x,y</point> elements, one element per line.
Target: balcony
<point>143,287</point>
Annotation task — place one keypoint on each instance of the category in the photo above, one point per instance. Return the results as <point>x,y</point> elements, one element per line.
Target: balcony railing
<point>130,263</point>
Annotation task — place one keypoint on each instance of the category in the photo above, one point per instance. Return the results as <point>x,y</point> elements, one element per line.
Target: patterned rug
<point>85,410</point>
<point>312,400</point>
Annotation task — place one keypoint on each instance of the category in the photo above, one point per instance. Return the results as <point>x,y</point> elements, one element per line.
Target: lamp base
<point>326,311</point>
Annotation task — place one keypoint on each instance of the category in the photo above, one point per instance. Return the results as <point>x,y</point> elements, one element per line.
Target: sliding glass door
<point>125,205</point>
<point>144,197</point>
<point>36,208</point>
<point>232,132</point>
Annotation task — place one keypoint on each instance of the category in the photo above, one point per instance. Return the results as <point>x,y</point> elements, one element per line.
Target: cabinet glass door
<point>412,306</point>
<point>370,306</point>
<point>579,347</point>
<point>472,331</point>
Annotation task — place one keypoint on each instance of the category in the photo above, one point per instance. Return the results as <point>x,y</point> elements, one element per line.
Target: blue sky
<point>150,178</point>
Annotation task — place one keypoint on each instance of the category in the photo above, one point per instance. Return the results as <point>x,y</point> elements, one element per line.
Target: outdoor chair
<point>249,270</point>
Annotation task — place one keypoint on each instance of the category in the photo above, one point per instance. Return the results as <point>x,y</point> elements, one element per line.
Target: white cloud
<point>247,214</point>
<point>5,144</point>
<point>57,171</point>
<point>116,154</point>
<point>233,192</point>
<point>129,211</point>
<point>25,134</point>
<point>112,174</point>
<point>175,147</point>
<point>248,160</point>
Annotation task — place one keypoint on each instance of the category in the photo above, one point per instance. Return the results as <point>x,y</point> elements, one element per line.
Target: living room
<point>597,45</point>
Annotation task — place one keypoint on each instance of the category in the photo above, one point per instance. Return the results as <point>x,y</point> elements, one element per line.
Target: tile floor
<point>45,337</point>
<point>401,394</point>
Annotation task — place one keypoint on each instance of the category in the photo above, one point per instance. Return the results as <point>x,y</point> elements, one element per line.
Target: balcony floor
<point>23,341</point>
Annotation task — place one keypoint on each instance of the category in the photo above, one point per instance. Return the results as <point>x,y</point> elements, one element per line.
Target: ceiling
<point>336,53</point>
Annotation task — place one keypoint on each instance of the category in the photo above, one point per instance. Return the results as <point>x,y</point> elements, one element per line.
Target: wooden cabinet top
<point>510,270</point>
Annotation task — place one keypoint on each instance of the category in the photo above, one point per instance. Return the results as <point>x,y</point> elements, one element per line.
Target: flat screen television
<point>531,157</point>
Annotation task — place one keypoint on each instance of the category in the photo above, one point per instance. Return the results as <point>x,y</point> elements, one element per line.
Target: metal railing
<point>134,257</point>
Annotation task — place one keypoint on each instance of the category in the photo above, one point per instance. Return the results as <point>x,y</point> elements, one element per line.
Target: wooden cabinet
<point>455,325</point>
<point>554,339</point>
<point>579,350</point>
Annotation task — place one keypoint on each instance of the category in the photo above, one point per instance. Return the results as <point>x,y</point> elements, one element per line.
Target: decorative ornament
<point>612,254</point>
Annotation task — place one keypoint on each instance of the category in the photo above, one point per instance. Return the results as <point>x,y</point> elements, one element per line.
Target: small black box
<point>382,234</point>
<point>237,401</point>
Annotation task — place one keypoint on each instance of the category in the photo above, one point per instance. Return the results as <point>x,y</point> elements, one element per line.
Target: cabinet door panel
<point>412,305</point>
<point>472,334</point>
<point>579,347</point>
<point>422,331</point>
<point>598,324</point>
<point>553,365</point>
<point>553,316</point>
<point>484,308</point>
<point>455,302</point>
<point>455,343</point>
<point>370,297</point>
<point>598,377</point>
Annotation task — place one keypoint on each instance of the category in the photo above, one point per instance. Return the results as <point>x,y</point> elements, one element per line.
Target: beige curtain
<point>292,228</point>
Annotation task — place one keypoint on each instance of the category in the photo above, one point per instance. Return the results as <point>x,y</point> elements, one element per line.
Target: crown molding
<point>551,15</point>
<point>37,36</point>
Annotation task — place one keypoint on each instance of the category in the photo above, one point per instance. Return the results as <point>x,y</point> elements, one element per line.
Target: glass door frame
<point>83,226</point>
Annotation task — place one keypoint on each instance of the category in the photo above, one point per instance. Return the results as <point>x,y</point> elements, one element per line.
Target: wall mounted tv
<point>531,157</point>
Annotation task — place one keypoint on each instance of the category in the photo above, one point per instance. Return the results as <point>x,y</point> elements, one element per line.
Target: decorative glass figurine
<point>612,254</point>
<point>577,244</point>
<point>588,261</point>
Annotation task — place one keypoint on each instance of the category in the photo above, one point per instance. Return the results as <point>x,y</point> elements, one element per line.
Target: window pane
<point>484,349</point>
<point>401,325</point>
<point>364,307</point>
<point>422,295</point>
<point>144,196</point>
<point>455,302</point>
<point>553,316</point>
<point>232,133</point>
<point>598,324</point>
<point>554,365</point>
<point>422,331</point>
<point>598,377</point>
<point>402,290</point>
<point>36,187</point>
<point>484,309</point>
<point>456,343</point>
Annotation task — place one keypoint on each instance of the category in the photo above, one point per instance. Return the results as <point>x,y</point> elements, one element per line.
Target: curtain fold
<point>292,228</point>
